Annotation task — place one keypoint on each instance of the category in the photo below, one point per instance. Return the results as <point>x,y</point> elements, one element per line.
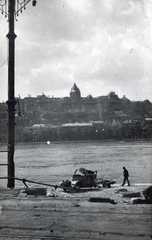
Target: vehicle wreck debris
<point>85,179</point>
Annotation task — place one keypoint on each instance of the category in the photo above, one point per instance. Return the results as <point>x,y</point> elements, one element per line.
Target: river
<point>54,162</point>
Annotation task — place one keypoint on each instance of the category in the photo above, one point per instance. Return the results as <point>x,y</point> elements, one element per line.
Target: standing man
<point>126,175</point>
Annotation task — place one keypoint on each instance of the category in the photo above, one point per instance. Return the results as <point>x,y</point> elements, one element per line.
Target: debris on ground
<point>121,190</point>
<point>52,193</point>
<point>34,191</point>
<point>103,200</point>
<point>131,194</point>
<point>76,205</point>
<point>147,193</point>
<point>141,201</point>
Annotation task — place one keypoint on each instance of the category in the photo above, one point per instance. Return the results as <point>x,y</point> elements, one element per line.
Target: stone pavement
<point>62,215</point>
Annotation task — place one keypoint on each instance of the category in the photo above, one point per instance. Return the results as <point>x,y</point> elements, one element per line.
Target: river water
<point>54,162</point>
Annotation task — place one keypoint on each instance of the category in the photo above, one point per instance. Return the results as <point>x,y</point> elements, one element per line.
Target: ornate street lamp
<point>11,10</point>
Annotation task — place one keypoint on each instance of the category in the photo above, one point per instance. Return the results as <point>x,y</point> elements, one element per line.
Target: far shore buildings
<point>78,118</point>
<point>75,103</point>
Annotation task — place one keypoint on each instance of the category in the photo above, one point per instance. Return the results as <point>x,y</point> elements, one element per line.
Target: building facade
<point>74,103</point>
<point>78,118</point>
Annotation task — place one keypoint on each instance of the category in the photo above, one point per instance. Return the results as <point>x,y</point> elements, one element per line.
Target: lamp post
<point>11,9</point>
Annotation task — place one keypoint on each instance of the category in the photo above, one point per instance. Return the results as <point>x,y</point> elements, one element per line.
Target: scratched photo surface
<point>104,48</point>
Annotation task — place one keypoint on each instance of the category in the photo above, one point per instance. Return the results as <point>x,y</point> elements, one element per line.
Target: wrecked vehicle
<point>83,178</point>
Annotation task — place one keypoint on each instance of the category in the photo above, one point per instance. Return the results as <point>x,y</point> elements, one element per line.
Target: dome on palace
<point>75,92</point>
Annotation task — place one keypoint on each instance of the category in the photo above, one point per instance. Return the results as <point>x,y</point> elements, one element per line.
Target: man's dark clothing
<point>126,175</point>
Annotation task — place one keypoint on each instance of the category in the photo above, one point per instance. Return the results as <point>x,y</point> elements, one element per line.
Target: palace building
<point>74,103</point>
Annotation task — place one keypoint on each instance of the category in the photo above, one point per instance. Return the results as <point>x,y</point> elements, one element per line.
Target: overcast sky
<point>101,45</point>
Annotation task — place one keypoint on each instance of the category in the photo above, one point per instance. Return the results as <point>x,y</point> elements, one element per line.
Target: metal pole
<point>11,100</point>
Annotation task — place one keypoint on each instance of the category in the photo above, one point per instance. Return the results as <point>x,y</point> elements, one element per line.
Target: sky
<point>101,45</point>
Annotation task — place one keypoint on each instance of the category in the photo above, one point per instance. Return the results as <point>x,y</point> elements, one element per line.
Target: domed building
<point>75,93</point>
